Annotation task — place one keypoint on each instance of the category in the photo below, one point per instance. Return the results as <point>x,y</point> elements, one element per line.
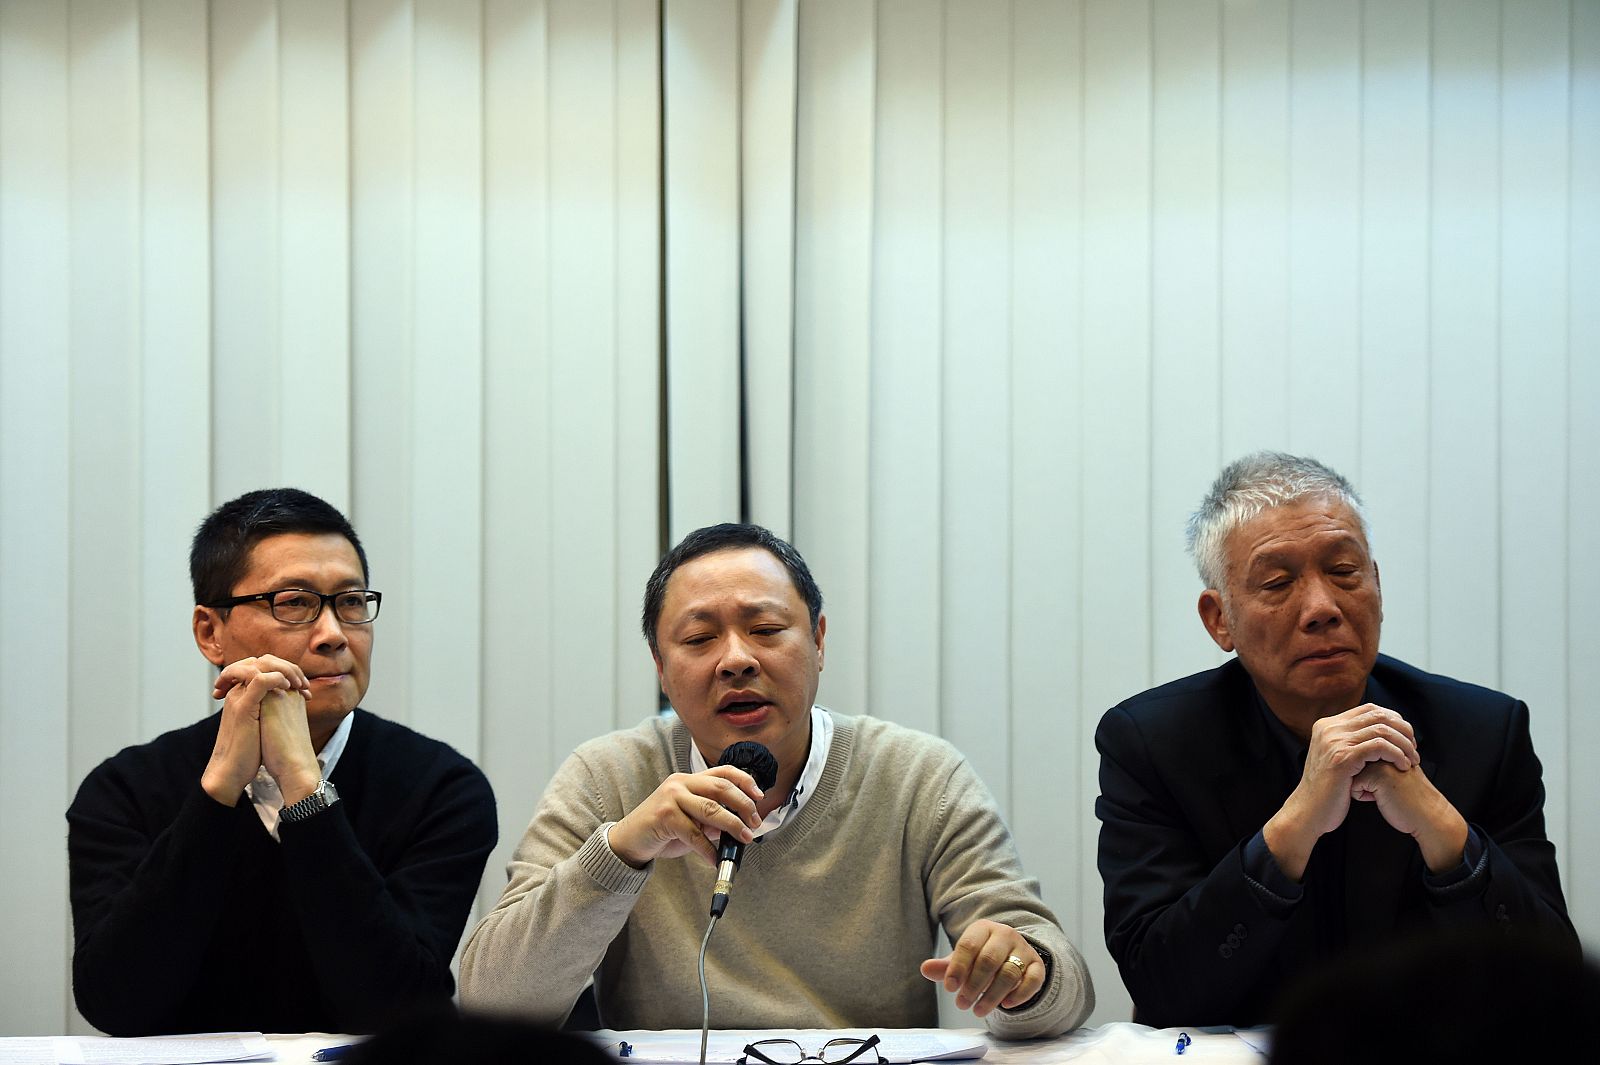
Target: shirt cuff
<point>1270,884</point>
<point>1466,878</point>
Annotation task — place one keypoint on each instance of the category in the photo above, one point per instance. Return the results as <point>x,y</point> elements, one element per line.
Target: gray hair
<point>1249,486</point>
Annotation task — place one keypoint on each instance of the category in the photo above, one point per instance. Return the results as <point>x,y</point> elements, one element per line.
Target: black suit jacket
<point>1189,774</point>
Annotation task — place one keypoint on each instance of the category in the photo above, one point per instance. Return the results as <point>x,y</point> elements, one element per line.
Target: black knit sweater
<point>188,917</point>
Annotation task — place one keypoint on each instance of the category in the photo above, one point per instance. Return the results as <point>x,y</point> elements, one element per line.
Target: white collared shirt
<point>264,792</point>
<point>821,744</point>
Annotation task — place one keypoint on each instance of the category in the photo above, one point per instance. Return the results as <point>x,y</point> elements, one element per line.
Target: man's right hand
<point>1341,746</point>
<point>237,753</point>
<point>673,820</point>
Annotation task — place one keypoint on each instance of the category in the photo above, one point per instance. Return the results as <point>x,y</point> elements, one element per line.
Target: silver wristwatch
<point>319,800</point>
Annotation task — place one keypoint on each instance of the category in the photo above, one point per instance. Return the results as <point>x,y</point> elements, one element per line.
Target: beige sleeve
<point>567,898</point>
<point>974,873</point>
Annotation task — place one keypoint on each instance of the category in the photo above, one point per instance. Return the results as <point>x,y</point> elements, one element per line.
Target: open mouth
<point>744,711</point>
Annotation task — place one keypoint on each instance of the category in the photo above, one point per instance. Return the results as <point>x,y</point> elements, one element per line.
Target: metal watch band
<point>319,800</point>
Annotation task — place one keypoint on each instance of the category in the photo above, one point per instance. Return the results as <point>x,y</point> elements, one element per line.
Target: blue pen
<point>333,1053</point>
<point>1183,1043</point>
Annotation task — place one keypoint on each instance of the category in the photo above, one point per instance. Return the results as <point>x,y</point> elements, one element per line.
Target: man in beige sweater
<point>873,837</point>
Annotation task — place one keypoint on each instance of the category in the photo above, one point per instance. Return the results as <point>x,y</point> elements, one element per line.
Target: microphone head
<point>754,759</point>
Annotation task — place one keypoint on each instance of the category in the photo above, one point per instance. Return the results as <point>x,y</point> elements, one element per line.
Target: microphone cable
<point>755,759</point>
<point>705,995</point>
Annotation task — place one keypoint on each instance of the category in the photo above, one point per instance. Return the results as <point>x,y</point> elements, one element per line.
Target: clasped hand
<point>1367,754</point>
<point>263,724</point>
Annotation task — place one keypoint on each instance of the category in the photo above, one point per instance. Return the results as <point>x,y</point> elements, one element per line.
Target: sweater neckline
<point>779,843</point>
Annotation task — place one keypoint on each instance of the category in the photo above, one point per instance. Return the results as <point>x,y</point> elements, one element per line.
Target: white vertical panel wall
<point>1464,149</point>
<point>1114,418</point>
<point>768,79</point>
<point>175,343</point>
<point>701,53</point>
<point>446,412</point>
<point>834,151</point>
<point>970,298</point>
<point>1047,450</point>
<point>35,508</point>
<point>905,537</point>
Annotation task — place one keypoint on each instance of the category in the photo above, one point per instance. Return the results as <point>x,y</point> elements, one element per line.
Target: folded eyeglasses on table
<point>833,1052</point>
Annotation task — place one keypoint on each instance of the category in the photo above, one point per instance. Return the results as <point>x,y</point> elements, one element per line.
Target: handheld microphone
<point>756,760</point>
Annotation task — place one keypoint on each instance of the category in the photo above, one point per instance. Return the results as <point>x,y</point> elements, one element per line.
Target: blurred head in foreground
<point>1459,996</point>
<point>447,1036</point>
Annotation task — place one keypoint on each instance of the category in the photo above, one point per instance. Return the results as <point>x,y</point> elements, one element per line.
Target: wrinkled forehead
<point>1318,523</point>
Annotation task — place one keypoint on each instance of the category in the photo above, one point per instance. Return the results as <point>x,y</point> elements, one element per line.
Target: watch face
<point>319,800</point>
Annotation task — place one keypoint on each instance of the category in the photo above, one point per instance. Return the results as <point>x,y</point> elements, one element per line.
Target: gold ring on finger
<point>1016,965</point>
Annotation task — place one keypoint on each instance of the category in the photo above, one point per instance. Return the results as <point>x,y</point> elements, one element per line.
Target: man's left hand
<point>1411,804</point>
<point>286,748</point>
<point>977,972</point>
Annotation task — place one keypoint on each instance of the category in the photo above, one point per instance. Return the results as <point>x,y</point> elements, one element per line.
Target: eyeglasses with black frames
<point>302,606</point>
<point>833,1052</point>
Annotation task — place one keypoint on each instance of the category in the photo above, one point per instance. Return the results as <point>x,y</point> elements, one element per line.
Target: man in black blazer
<point>1311,795</point>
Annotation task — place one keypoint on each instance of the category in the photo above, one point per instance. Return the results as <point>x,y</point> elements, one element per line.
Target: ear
<point>661,678</point>
<point>1215,619</point>
<point>208,624</point>
<point>1377,581</point>
<point>821,635</point>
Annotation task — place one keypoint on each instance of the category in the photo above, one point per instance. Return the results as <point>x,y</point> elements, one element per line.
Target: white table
<point>1121,1043</point>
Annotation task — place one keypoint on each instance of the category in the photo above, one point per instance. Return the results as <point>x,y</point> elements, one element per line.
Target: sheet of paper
<point>1257,1039</point>
<point>29,1050</point>
<point>902,1045</point>
<point>155,1050</point>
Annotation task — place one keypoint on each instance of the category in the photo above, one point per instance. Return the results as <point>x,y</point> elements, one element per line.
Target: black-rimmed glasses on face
<point>833,1052</point>
<point>302,606</point>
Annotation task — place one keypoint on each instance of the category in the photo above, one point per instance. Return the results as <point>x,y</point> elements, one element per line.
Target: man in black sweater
<point>291,863</point>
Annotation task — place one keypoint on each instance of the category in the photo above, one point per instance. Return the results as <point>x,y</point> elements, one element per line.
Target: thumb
<point>935,968</point>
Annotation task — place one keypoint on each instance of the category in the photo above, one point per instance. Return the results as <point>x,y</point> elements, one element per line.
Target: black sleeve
<point>1193,936</point>
<point>1517,884</point>
<point>145,902</point>
<point>383,940</point>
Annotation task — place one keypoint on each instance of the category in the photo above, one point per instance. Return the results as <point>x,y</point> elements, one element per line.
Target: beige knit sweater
<point>829,918</point>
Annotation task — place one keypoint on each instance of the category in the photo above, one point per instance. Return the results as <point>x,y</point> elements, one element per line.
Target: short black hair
<point>727,536</point>
<point>220,553</point>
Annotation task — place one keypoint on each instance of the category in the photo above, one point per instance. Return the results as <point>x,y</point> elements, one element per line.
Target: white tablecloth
<point>1122,1043</point>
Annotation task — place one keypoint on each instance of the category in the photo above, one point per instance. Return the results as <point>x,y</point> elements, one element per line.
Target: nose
<point>1319,609</point>
<point>737,658</point>
<point>327,632</point>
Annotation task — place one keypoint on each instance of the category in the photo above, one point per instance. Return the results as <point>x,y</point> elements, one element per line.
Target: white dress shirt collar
<point>821,744</point>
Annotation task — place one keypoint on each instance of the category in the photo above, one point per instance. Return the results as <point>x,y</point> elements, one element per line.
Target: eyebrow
<point>746,610</point>
<point>309,585</point>
<point>1283,558</point>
